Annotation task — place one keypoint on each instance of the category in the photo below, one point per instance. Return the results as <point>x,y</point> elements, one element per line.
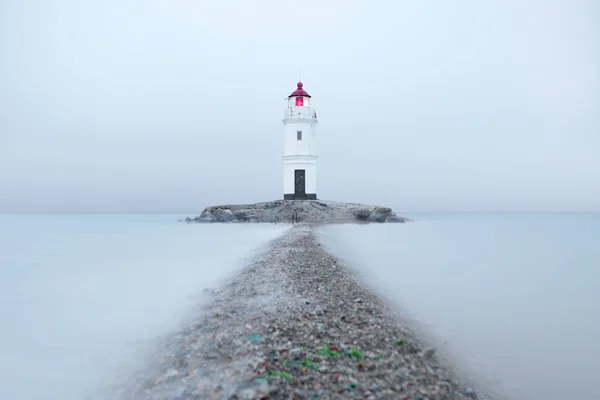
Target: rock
<point>222,215</point>
<point>428,352</point>
<point>396,219</point>
<point>362,214</point>
<point>384,210</point>
<point>381,218</point>
<point>241,215</point>
<point>247,394</point>
<point>471,393</point>
<point>306,211</point>
<point>169,374</point>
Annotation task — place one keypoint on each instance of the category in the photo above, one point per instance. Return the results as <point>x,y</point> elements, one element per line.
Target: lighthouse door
<point>299,183</point>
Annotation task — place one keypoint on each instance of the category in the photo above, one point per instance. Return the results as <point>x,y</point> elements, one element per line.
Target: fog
<point>84,298</point>
<point>155,105</point>
<point>510,299</point>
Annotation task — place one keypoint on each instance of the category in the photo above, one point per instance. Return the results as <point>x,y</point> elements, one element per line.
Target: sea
<point>83,295</point>
<point>513,300</point>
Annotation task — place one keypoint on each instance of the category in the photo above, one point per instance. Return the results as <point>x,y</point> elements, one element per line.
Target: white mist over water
<point>516,296</point>
<point>80,293</point>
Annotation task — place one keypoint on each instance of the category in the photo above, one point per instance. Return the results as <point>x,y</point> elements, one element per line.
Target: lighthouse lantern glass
<point>300,101</point>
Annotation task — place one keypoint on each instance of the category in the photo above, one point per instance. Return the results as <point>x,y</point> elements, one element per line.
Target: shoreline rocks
<point>296,324</point>
<point>285,211</point>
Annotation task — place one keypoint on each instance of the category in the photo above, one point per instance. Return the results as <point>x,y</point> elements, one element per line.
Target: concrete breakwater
<point>297,211</point>
<point>296,324</point>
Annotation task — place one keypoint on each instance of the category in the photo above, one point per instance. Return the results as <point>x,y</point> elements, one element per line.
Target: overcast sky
<point>172,105</point>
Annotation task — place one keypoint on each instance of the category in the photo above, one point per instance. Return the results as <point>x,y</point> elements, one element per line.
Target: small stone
<point>428,353</point>
<point>247,394</point>
<point>264,387</point>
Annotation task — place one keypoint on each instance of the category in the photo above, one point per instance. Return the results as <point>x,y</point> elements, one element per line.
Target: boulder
<point>381,217</point>
<point>384,210</point>
<point>396,219</point>
<point>222,215</point>
<point>242,216</point>
<point>362,214</point>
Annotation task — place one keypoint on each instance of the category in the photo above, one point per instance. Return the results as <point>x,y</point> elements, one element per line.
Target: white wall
<point>299,154</point>
<point>306,146</point>
<point>305,163</point>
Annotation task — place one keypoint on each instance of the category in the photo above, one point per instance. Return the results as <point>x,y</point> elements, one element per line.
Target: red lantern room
<point>301,95</point>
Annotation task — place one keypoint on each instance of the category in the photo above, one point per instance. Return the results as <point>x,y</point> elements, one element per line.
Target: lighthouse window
<point>299,101</point>
<point>299,135</point>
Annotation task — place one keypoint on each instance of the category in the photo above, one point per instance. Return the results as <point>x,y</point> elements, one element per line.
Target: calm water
<point>515,296</point>
<point>80,293</point>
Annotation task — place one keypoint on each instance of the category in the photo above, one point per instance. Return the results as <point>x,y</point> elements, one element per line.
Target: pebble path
<point>296,324</point>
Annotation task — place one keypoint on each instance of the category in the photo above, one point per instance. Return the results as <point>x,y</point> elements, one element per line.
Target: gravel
<point>296,324</point>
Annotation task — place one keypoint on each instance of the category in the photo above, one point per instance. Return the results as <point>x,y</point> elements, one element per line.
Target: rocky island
<point>297,211</point>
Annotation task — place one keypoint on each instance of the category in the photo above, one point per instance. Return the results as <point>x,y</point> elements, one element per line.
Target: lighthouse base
<point>306,196</point>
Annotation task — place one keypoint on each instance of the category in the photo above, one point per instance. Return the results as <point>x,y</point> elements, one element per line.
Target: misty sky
<point>172,105</point>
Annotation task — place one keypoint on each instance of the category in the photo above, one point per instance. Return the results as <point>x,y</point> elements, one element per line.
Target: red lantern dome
<point>299,91</point>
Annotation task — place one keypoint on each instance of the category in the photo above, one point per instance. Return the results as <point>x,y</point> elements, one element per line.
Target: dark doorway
<point>299,183</point>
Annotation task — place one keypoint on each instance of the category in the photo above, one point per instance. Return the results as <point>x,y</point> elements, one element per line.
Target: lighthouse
<point>299,149</point>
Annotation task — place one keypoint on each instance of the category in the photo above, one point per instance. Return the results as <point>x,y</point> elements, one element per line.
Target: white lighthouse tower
<point>299,150</point>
